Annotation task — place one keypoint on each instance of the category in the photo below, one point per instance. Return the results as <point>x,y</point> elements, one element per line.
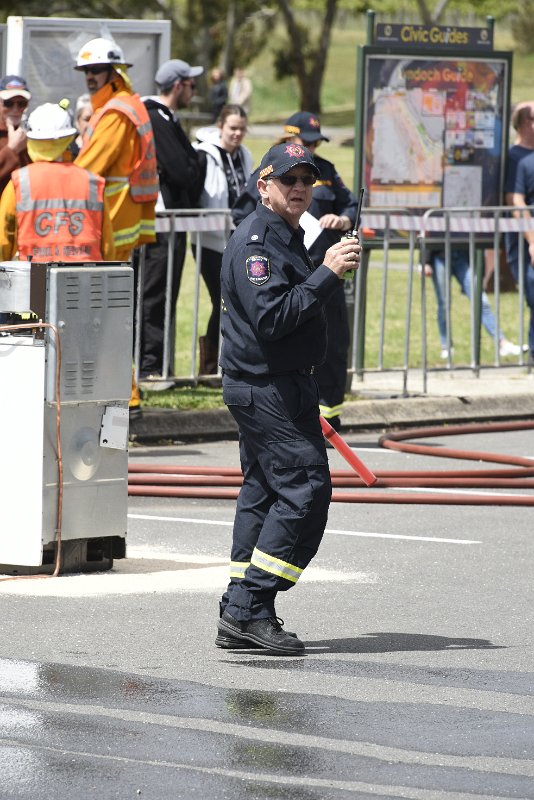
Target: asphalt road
<point>417,680</point>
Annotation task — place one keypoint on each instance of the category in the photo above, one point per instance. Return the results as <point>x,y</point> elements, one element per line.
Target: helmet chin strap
<point>122,70</point>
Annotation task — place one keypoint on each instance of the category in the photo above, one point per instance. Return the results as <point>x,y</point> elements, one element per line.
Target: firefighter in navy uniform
<point>334,205</point>
<point>274,334</point>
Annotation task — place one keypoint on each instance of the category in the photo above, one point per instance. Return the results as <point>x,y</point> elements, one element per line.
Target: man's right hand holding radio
<point>343,256</point>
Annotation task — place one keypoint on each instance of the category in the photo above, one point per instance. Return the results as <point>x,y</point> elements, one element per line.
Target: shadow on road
<point>387,642</point>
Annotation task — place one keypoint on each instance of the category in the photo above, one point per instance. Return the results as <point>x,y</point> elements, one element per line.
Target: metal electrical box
<point>91,306</point>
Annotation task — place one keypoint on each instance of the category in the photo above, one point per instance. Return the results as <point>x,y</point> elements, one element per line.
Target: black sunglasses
<point>291,180</point>
<point>192,84</point>
<point>95,70</point>
<point>19,103</point>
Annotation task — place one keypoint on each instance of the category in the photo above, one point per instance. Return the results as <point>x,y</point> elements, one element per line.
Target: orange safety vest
<point>59,210</point>
<point>144,181</point>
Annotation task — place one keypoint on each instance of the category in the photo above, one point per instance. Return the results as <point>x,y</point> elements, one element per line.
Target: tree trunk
<point>206,38</point>
<point>310,79</point>
<point>321,55</point>
<point>231,26</point>
<point>429,16</point>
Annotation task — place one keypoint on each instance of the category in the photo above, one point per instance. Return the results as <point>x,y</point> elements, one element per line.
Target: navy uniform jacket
<point>329,196</point>
<point>272,299</point>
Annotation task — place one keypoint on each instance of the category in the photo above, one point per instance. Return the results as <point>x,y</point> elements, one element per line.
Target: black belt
<point>247,375</point>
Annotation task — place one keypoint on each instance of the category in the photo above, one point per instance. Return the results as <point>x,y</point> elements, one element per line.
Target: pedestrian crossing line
<point>366,534</point>
<point>467,492</point>
<point>483,763</point>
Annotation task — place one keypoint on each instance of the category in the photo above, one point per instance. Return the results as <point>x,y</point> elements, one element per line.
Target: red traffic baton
<point>368,477</point>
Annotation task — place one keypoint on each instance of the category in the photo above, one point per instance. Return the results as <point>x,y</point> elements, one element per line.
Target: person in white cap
<point>52,209</point>
<point>14,99</point>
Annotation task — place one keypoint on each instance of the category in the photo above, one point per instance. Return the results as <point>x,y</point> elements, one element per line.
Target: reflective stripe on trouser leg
<point>276,566</point>
<point>238,568</point>
<point>328,412</point>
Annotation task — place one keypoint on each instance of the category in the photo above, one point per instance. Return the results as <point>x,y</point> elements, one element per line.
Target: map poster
<point>433,130</point>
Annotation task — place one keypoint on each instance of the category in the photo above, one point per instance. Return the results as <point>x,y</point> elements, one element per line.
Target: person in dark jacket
<point>218,93</point>
<point>181,182</point>
<point>274,334</point>
<point>334,205</point>
<point>14,99</point>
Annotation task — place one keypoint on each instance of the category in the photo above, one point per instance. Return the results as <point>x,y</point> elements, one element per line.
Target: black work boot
<point>265,633</point>
<point>228,642</point>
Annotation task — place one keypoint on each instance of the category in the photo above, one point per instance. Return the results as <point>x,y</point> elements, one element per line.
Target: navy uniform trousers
<point>282,507</point>
<point>331,375</point>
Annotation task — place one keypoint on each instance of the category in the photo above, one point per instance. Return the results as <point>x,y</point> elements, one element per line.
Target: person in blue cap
<point>274,334</point>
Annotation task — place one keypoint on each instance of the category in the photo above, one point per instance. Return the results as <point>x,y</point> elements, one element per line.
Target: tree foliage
<point>302,57</point>
<point>105,9</point>
<point>231,33</point>
<point>522,25</point>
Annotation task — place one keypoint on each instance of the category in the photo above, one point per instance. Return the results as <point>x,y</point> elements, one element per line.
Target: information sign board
<point>434,128</point>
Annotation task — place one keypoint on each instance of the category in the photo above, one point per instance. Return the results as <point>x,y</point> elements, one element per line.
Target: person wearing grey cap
<point>274,334</point>
<point>181,181</point>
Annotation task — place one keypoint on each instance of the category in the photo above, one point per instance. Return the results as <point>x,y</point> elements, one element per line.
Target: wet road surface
<point>417,680</point>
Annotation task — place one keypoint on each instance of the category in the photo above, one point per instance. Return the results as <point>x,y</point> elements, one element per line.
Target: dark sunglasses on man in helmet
<point>96,69</point>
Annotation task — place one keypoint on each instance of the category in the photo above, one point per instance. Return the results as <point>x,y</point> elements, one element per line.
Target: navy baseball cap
<point>306,126</point>
<point>13,86</point>
<point>280,158</point>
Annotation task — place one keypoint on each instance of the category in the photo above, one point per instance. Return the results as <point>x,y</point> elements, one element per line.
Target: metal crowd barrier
<point>477,228</point>
<point>387,235</point>
<point>194,221</point>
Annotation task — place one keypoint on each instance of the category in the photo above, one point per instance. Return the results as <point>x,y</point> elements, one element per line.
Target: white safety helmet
<point>50,121</point>
<point>100,51</point>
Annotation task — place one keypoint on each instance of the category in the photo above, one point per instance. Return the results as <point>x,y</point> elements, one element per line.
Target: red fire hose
<point>214,482</point>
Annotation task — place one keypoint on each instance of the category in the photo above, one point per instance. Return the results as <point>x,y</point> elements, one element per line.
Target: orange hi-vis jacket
<point>59,217</point>
<point>143,181</point>
<point>114,151</point>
